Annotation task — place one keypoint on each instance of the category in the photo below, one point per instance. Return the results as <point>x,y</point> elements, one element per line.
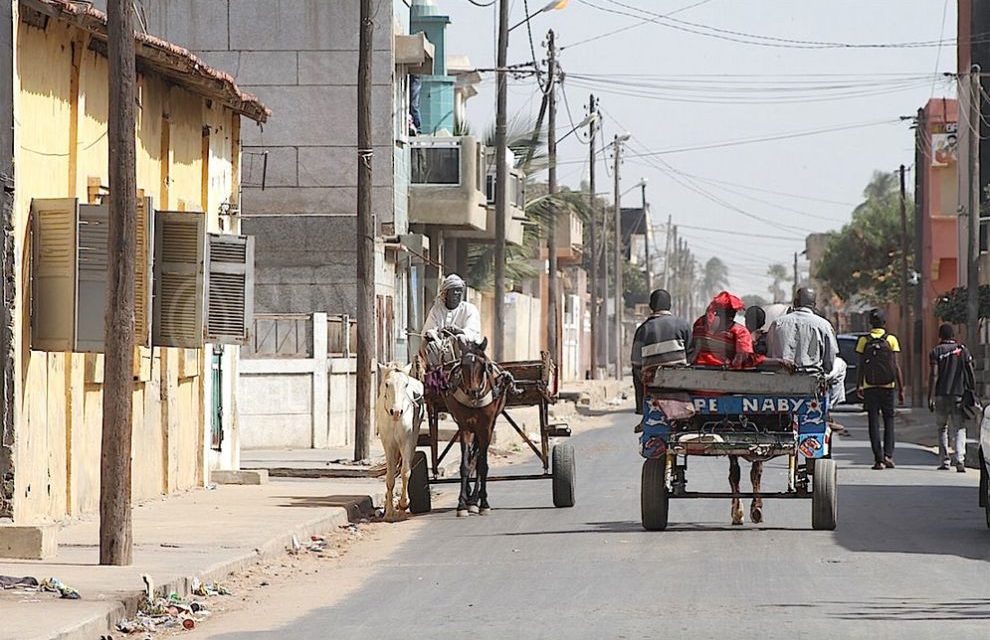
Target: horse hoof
<point>756,515</point>
<point>462,513</point>
<point>737,523</point>
<point>484,511</point>
<point>473,508</point>
<point>402,506</point>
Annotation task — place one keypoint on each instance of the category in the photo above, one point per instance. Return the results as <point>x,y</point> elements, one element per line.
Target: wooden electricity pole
<point>501,177</point>
<point>593,238</point>
<point>905,304</point>
<point>116,537</point>
<point>618,291</point>
<point>553,295</point>
<point>973,210</point>
<point>365,243</point>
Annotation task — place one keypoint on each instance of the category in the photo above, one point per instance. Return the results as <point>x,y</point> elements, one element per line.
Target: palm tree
<point>715,278</point>
<point>778,273</point>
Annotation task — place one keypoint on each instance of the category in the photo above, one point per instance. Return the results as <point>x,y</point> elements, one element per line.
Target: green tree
<point>779,275</point>
<point>863,259</point>
<point>714,278</point>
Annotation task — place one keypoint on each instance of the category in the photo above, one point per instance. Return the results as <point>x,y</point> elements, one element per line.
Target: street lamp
<point>588,119</point>
<point>553,5</point>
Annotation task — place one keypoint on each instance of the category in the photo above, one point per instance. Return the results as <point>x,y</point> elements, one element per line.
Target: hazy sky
<point>673,88</point>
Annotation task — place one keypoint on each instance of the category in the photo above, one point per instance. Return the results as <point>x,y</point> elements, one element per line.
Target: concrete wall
<point>300,57</point>
<point>61,143</point>
<point>316,398</point>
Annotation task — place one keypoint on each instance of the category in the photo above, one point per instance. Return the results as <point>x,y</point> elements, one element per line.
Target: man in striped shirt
<point>661,341</point>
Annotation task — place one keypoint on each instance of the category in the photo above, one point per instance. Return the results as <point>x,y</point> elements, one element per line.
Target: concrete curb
<point>126,603</point>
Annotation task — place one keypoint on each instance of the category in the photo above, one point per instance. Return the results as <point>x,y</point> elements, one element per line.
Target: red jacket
<point>713,346</point>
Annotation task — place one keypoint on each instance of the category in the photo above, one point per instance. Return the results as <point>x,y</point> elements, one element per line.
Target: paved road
<point>910,559</point>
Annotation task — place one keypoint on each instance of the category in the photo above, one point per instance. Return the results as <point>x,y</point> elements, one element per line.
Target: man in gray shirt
<point>803,337</point>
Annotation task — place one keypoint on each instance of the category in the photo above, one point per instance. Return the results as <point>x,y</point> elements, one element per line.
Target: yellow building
<point>188,175</point>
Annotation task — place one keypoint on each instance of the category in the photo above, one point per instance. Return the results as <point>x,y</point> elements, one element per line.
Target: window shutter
<point>178,279</point>
<point>142,271</point>
<point>229,288</point>
<point>53,273</point>
<point>91,290</point>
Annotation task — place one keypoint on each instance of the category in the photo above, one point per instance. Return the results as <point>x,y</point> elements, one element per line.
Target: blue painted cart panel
<point>808,418</point>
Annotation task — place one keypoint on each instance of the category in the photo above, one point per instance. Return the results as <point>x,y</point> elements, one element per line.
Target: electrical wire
<point>742,37</point>
<point>631,26</point>
<point>483,5</point>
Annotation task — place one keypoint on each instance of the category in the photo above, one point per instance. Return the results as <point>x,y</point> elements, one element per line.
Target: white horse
<point>399,414</point>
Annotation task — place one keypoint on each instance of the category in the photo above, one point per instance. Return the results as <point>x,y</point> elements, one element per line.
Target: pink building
<point>938,206</point>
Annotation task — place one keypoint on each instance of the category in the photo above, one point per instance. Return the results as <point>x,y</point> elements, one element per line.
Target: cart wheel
<point>562,459</point>
<point>823,495</point>
<point>419,485</point>
<point>653,495</point>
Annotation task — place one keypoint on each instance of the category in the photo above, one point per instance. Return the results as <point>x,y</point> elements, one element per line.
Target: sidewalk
<point>202,533</point>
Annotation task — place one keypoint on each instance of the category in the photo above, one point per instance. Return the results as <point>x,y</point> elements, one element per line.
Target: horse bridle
<point>474,397</point>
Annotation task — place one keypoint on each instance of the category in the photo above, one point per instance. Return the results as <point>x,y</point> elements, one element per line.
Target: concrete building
<point>937,203</point>
<point>300,179</point>
<point>54,266</point>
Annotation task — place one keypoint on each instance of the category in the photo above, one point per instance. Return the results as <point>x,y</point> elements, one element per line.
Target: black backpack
<point>878,362</point>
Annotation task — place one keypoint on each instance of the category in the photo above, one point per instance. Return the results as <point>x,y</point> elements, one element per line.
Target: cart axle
<point>728,494</point>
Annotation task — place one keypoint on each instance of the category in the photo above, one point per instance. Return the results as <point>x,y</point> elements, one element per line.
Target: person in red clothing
<point>717,340</point>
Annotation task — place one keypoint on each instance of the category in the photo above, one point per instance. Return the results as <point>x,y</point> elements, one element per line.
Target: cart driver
<point>452,311</point>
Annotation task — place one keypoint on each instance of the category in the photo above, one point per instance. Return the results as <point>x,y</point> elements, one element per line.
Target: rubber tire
<point>562,466</point>
<point>419,485</point>
<point>824,499</point>
<point>654,502</point>
<point>984,487</point>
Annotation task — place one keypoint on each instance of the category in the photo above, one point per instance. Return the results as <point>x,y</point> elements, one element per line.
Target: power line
<point>742,37</point>
<point>631,26</point>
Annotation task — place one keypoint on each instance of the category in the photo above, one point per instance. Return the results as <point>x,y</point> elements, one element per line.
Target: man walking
<point>879,376</point>
<point>661,341</point>
<point>951,376</point>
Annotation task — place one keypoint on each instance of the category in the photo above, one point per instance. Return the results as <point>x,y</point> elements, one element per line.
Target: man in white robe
<point>452,311</point>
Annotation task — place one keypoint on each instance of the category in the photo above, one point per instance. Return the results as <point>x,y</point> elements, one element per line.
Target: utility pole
<point>647,235</point>
<point>593,248</point>
<point>365,242</point>
<point>919,196</point>
<point>552,294</point>
<point>501,178</point>
<point>617,148</point>
<point>116,536</point>
<point>973,254</point>
<point>795,287</point>
<point>905,306</point>
<point>666,254</point>
<point>674,268</point>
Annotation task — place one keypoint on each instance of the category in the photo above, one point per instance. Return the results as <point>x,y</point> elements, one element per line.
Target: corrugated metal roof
<point>161,56</point>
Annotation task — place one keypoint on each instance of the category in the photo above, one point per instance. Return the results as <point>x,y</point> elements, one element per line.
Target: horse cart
<point>536,385</point>
<point>752,415</point>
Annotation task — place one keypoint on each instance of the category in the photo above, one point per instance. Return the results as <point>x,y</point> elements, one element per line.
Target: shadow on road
<point>897,609</point>
<point>912,518</point>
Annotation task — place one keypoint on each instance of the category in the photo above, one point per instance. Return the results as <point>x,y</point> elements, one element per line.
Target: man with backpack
<point>878,378</point>
<point>951,383</point>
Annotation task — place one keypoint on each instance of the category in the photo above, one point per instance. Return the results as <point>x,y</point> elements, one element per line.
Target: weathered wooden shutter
<point>144,242</point>
<point>53,273</point>
<point>229,288</point>
<point>91,290</point>
<point>178,279</point>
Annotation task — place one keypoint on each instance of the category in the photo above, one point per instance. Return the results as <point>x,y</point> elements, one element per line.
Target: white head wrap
<point>453,281</point>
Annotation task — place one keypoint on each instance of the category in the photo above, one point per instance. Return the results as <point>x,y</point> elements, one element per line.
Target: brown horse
<point>475,401</point>
<point>755,476</point>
